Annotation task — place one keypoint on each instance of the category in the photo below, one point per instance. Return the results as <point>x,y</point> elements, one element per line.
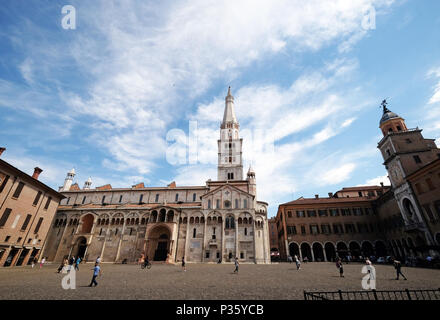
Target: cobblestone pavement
<point>201,281</point>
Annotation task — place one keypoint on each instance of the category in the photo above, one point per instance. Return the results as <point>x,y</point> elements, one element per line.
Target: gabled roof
<point>226,186</point>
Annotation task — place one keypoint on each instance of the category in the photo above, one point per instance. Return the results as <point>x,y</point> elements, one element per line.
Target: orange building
<point>27,207</point>
<point>342,224</point>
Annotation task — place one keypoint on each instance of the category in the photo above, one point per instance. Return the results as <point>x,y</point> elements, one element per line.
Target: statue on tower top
<point>384,105</point>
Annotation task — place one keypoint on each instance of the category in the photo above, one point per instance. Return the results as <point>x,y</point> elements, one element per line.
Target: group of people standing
<point>35,261</point>
<point>68,263</point>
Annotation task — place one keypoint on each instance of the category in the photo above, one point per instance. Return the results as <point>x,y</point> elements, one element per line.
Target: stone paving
<point>203,281</point>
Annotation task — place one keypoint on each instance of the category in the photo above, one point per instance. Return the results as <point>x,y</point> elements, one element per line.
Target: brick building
<point>27,207</point>
<point>321,228</point>
<point>401,220</point>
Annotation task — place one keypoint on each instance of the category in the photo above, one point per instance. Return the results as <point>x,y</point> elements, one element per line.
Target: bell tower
<point>405,151</point>
<point>230,163</point>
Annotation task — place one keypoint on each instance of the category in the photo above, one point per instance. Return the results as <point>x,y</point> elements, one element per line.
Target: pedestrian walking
<point>305,259</point>
<point>289,259</point>
<point>96,272</point>
<point>340,267</point>
<point>183,264</point>
<point>398,267</point>
<point>42,262</point>
<point>236,265</point>
<point>98,260</point>
<point>78,261</point>
<point>62,265</point>
<point>298,263</point>
<point>34,261</point>
<point>71,262</point>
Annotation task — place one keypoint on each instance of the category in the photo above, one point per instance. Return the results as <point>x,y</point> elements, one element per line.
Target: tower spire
<point>229,114</point>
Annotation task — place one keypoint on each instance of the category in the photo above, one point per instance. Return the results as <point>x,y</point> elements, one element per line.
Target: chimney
<point>1,150</point>
<point>316,196</point>
<point>37,172</point>
<point>330,194</point>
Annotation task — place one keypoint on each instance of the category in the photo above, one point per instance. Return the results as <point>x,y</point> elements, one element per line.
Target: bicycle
<point>148,265</point>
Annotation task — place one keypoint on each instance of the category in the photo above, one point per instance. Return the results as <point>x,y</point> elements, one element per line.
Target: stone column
<point>186,239</point>
<point>223,240</point>
<point>264,241</point>
<point>204,240</point>
<point>236,238</point>
<point>311,252</point>
<point>177,237</point>
<point>120,241</point>
<point>325,254</point>
<point>103,245</point>
<point>255,239</point>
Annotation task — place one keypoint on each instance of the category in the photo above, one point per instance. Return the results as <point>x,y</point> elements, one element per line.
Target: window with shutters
<point>26,222</point>
<point>47,203</point>
<point>3,183</point>
<point>5,217</point>
<point>18,190</point>
<point>37,198</point>
<point>40,221</point>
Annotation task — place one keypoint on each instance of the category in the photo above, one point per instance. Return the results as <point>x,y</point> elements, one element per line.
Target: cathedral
<point>212,223</point>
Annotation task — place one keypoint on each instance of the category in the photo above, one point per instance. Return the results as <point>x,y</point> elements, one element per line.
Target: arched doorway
<point>306,251</point>
<point>330,251</point>
<point>87,223</point>
<point>367,249</point>
<point>381,250</point>
<point>355,249</point>
<point>294,250</point>
<point>81,245</point>
<point>342,250</point>
<point>158,243</point>
<point>318,252</point>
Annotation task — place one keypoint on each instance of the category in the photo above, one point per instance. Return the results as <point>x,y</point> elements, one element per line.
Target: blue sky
<point>308,79</point>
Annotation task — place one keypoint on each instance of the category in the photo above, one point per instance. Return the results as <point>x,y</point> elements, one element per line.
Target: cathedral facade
<point>212,223</point>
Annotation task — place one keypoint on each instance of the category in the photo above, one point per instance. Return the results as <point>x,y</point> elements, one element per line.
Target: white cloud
<point>436,95</point>
<point>146,69</point>
<point>340,174</point>
<point>376,181</point>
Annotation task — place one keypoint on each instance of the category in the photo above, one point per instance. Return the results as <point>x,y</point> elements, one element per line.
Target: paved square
<point>202,281</point>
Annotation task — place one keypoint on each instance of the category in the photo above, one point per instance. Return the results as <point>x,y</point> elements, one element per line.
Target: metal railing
<point>425,294</point>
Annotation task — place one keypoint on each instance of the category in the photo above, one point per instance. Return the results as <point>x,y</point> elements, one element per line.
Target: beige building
<point>218,221</point>
<point>27,207</point>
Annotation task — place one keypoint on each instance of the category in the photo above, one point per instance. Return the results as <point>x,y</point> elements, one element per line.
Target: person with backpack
<point>340,267</point>
<point>398,267</point>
